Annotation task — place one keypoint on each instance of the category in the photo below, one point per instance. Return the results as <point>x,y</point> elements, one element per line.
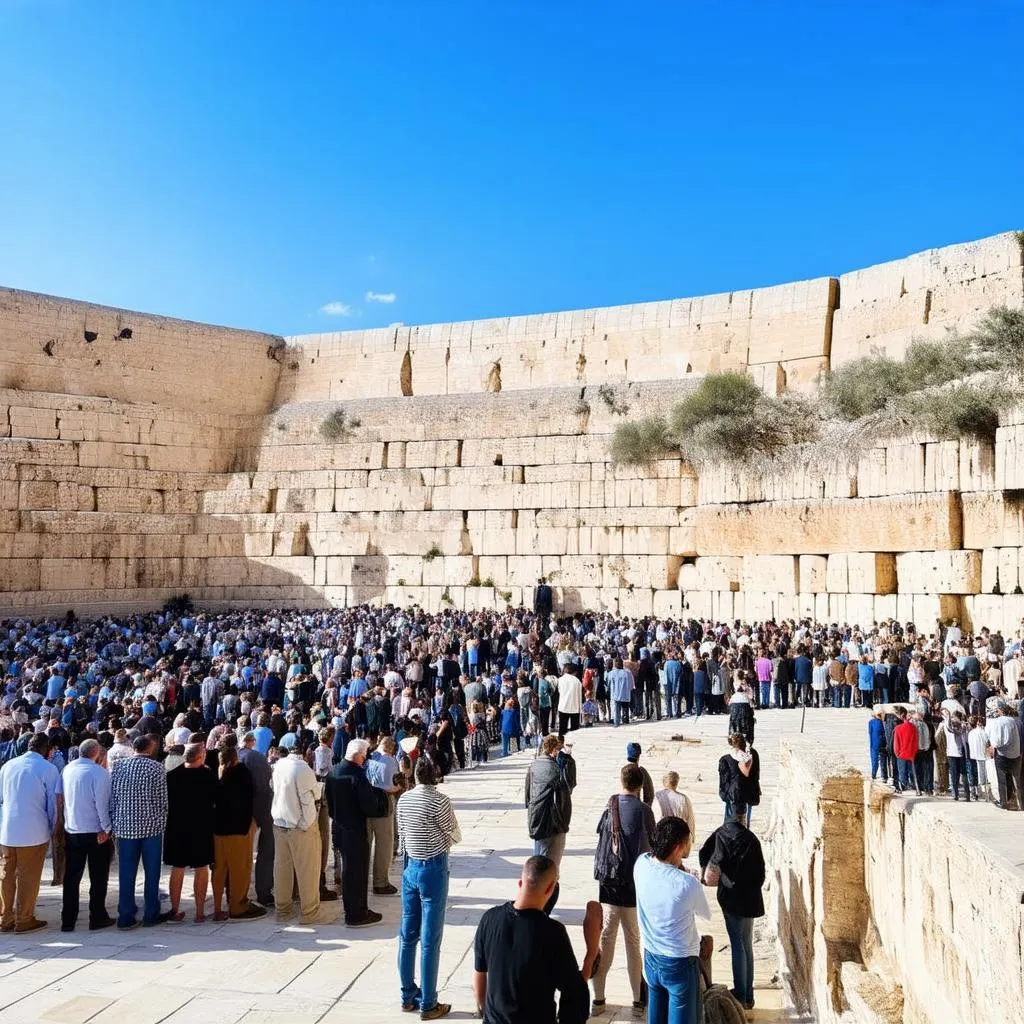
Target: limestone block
<point>905,468</point>
<point>813,527</point>
<point>645,540</point>
<point>993,520</point>
<point>792,321</point>
<point>637,603</point>
<point>977,465</point>
<point>524,571</point>
<point>683,540</point>
<point>722,605</point>
<point>112,499</point>
<point>775,573</point>
<point>404,571</point>
<point>942,466</point>
<point>939,572</point>
<point>653,572</point>
<point>667,604</point>
<point>871,474</point>
<point>871,573</point>
<point>573,570</point>
<point>1009,571</point>
<point>697,604</point>
<point>432,453</point>
<point>885,607</point>
<point>36,495</point>
<point>813,574</point>
<point>28,422</point>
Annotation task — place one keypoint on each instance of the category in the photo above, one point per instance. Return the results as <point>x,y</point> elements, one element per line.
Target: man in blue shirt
<point>86,786</point>
<point>29,789</point>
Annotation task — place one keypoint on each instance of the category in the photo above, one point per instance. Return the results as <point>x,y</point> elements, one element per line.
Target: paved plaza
<point>263,971</point>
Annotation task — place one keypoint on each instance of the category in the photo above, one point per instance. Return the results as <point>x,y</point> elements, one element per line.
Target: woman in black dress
<point>188,837</point>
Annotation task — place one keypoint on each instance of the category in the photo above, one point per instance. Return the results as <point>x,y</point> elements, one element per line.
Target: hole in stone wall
<point>499,460</point>
<point>90,336</point>
<point>494,378</point>
<point>405,375</point>
<point>125,333</point>
<point>927,305</point>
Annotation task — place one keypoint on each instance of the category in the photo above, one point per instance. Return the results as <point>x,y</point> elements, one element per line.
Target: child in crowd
<point>589,708</point>
<point>479,741</point>
<point>977,741</point>
<point>510,728</point>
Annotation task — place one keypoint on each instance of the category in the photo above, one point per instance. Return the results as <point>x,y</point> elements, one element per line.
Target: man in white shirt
<point>668,900</point>
<point>296,838</point>
<point>570,701</point>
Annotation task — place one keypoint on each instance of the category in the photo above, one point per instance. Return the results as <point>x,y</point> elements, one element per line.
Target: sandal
<point>176,916</point>
<point>220,915</point>
<point>200,919</point>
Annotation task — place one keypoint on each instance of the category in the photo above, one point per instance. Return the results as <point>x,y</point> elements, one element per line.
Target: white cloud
<point>386,297</point>
<point>397,323</point>
<point>337,309</point>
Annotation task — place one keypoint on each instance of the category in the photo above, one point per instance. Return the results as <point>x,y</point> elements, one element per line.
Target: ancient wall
<point>878,898</point>
<point>142,457</point>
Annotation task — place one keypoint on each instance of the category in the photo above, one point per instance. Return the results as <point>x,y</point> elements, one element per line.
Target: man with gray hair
<point>351,800</point>
<point>86,784</point>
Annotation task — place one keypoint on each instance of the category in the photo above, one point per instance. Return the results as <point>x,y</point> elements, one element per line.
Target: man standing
<point>570,701</point>
<point>673,679</point>
<point>86,785</point>
<point>543,601</point>
<point>732,860</point>
<point>382,770</point>
<point>1004,741</point>
<point>904,745</point>
<point>668,900</point>
<point>620,689</point>
<point>296,838</point>
<point>522,958</point>
<point>29,788</point>
<point>625,831</point>
<point>548,805</point>
<point>138,815</point>
<point>427,830</point>
<point>262,800</point>
<point>633,752</point>
<point>352,800</point>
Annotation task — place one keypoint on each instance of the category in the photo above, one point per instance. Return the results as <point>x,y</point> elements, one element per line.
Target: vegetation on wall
<point>952,389</point>
<point>336,426</point>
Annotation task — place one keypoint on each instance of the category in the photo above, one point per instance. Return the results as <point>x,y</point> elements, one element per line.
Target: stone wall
<point>142,457</point>
<point>890,909</point>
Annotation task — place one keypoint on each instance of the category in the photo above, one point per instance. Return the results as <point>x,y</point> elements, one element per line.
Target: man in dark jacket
<point>732,860</point>
<point>548,804</point>
<point>542,600</point>
<point>351,800</point>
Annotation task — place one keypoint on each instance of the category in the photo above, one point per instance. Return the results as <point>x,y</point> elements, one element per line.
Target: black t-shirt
<point>527,957</point>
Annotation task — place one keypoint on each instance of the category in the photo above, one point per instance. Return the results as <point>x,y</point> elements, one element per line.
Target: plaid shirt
<point>138,798</point>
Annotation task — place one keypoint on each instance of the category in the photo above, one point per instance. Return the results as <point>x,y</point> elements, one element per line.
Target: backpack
<point>611,863</point>
<point>721,1006</point>
<point>718,1004</point>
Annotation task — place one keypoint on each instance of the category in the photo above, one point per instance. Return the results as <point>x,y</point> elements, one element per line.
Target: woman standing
<point>188,835</point>
<point>232,838</point>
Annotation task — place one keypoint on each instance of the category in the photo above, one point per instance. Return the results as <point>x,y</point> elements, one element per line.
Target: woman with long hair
<point>232,836</point>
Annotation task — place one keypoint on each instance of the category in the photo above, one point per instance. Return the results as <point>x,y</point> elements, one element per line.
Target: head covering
<point>633,752</point>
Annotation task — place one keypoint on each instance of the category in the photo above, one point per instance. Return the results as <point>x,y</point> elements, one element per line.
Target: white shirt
<point>673,804</point>
<point>977,741</point>
<point>296,791</point>
<point>570,695</point>
<point>668,901</point>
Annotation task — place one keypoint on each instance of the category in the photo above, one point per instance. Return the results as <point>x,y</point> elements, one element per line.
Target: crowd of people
<point>284,759</point>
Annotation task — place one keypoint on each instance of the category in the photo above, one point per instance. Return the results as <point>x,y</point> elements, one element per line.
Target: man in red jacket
<point>904,744</point>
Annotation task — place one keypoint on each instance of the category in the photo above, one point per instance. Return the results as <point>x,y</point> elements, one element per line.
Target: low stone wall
<point>892,909</point>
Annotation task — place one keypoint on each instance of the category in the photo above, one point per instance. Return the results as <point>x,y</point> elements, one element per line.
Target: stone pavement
<point>263,971</point>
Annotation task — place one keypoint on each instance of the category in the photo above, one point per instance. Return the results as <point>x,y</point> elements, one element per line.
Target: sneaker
<point>327,895</point>
<point>129,927</point>
<point>372,917</point>
<point>107,922</point>
<point>441,1010</point>
<point>639,1009</point>
<point>250,913</point>
<point>159,919</point>
<point>384,890</point>
<point>30,926</point>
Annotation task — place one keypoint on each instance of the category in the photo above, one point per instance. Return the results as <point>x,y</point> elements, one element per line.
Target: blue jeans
<point>958,773</point>
<point>670,697</point>
<point>424,896</point>
<point>129,853</point>
<point>699,703</point>
<point>880,759</point>
<point>620,712</point>
<point>766,693</point>
<point>741,941</point>
<point>673,985</point>
<point>906,779</point>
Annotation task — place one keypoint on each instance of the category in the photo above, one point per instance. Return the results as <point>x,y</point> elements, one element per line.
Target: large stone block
<point>939,572</point>
<point>813,574</point>
<point>777,574</point>
<point>814,527</point>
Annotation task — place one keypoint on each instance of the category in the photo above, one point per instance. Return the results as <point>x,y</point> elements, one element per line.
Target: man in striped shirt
<point>427,830</point>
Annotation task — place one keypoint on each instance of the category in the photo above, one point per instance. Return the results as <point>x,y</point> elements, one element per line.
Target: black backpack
<point>611,861</point>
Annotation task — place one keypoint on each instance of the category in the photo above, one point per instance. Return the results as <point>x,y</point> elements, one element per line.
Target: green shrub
<point>474,581</point>
<point>717,395</point>
<point>963,410</point>
<point>489,582</point>
<point>1001,333</point>
<point>335,426</point>
<point>432,552</point>
<point>641,443</point>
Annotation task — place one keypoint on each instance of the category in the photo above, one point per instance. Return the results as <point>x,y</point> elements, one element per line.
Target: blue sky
<point>271,165</point>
